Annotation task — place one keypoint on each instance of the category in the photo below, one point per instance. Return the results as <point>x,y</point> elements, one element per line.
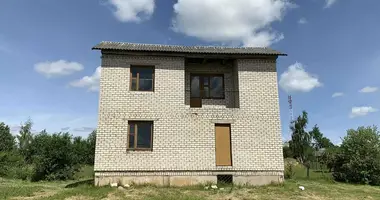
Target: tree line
<point>43,156</point>
<point>356,160</point>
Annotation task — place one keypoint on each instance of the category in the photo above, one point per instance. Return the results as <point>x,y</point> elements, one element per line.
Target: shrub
<point>8,161</point>
<point>23,172</point>
<point>289,171</point>
<point>54,157</point>
<point>358,160</point>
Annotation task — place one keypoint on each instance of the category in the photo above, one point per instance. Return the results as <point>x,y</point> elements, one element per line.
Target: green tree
<point>287,152</point>
<point>54,156</point>
<point>301,143</point>
<point>328,157</point>
<point>91,141</point>
<point>25,138</point>
<point>318,140</point>
<point>7,140</point>
<point>358,160</point>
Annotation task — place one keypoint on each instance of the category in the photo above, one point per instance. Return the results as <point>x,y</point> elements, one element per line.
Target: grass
<point>318,187</point>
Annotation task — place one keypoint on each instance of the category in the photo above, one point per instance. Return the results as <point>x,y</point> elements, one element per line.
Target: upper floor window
<point>207,86</point>
<point>142,78</point>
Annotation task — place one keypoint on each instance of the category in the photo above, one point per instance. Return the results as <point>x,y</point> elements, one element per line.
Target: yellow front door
<point>223,144</point>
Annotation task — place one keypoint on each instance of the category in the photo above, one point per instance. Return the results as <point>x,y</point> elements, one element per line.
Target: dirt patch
<point>79,197</point>
<point>112,196</point>
<point>37,195</point>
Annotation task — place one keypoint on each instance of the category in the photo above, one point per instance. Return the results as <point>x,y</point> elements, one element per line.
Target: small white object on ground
<point>301,188</point>
<point>113,184</point>
<point>221,188</point>
<point>127,186</point>
<point>214,187</point>
<point>206,188</point>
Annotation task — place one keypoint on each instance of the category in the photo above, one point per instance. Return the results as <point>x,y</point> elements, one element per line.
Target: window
<point>207,86</point>
<point>140,135</point>
<point>142,78</point>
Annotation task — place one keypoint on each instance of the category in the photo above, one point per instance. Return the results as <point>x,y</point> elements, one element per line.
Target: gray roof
<point>126,46</point>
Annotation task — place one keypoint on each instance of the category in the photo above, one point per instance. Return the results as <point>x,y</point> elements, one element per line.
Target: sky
<point>50,74</point>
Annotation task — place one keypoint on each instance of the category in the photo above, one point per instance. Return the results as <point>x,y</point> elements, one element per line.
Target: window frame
<point>201,85</point>
<point>135,148</point>
<point>138,77</point>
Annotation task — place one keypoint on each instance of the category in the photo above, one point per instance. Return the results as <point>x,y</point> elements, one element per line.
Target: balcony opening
<point>211,83</point>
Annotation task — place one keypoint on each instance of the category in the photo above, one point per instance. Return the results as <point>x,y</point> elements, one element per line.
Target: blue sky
<point>49,70</point>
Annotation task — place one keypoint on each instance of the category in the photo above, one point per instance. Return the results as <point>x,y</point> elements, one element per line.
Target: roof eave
<point>252,54</point>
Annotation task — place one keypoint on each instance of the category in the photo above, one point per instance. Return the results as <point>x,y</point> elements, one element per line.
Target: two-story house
<point>182,115</point>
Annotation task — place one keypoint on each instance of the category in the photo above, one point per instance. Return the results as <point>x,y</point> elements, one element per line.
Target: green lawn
<point>318,187</point>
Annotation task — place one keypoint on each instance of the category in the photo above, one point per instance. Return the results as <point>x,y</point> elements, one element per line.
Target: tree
<point>7,140</point>
<point>300,144</point>
<point>328,157</point>
<point>54,157</point>
<point>358,160</point>
<point>25,138</point>
<point>80,148</point>
<point>91,141</point>
<point>287,152</point>
<point>319,141</point>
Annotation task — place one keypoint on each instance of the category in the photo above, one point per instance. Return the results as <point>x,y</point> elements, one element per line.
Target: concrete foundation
<point>168,180</point>
<point>257,180</point>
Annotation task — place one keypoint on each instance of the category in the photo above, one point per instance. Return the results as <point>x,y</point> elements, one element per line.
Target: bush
<point>358,160</point>
<point>54,157</point>
<point>289,171</point>
<point>23,172</point>
<point>8,161</point>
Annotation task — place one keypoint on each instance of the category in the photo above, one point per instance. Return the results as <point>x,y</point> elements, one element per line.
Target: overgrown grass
<point>314,189</point>
<point>319,186</point>
<point>86,172</point>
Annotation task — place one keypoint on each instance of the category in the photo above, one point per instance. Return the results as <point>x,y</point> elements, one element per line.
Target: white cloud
<point>368,89</point>
<point>84,129</point>
<point>244,22</point>
<point>57,68</point>
<point>329,3</point>
<point>302,21</point>
<point>362,111</point>
<point>132,10</point>
<point>89,82</point>
<point>337,94</point>
<point>296,79</point>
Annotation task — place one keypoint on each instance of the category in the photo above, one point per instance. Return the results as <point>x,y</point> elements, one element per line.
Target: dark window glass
<point>144,135</point>
<point>195,89</point>
<point>131,139</point>
<point>216,90</point>
<point>142,78</point>
<point>205,80</point>
<point>206,92</point>
<point>146,85</point>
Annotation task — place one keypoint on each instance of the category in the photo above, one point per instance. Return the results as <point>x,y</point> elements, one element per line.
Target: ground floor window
<point>140,135</point>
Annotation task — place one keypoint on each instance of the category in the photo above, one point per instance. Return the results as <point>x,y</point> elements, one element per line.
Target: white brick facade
<point>184,137</point>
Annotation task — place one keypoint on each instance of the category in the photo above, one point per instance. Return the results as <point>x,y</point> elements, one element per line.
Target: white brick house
<point>178,115</point>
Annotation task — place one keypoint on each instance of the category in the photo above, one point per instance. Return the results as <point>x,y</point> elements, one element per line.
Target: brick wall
<point>183,137</point>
